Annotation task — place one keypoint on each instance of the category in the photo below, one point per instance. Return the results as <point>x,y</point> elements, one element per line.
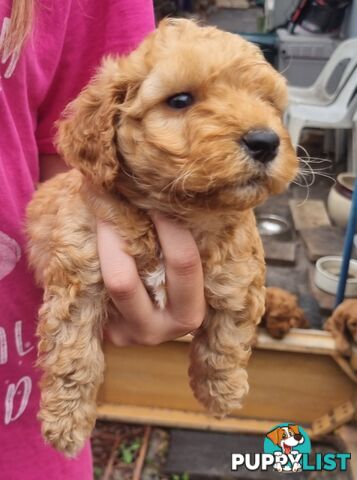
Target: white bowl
<point>340,199</point>
<point>327,272</point>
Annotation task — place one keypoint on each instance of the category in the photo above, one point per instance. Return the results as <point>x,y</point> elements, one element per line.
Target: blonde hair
<point>16,30</point>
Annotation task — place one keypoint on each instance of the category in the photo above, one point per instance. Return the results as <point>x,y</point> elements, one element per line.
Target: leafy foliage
<point>127,451</point>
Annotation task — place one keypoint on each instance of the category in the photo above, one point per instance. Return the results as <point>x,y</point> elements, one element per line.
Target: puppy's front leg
<point>70,326</point>
<point>220,352</point>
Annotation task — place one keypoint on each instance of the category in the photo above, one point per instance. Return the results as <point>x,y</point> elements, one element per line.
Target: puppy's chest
<point>155,282</point>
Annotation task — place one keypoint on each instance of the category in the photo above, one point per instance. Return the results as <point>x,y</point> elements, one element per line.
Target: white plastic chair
<point>319,93</point>
<point>337,114</point>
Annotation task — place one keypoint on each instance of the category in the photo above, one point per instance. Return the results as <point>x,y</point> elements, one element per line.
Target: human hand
<point>142,322</point>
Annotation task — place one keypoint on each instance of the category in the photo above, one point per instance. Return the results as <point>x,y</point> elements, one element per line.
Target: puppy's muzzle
<point>261,145</point>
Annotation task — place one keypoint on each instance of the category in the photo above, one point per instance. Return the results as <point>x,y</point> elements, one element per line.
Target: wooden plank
<point>332,420</point>
<point>284,385</point>
<point>181,419</point>
<point>308,214</point>
<point>283,277</point>
<point>346,366</point>
<point>322,241</point>
<point>298,340</point>
<point>317,342</point>
<point>281,253</point>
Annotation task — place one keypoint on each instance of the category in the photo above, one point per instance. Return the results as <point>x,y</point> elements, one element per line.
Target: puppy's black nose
<point>262,145</point>
<point>298,437</point>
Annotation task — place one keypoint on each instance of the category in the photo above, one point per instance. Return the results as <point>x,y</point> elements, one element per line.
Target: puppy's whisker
<point>326,175</point>
<point>305,177</point>
<point>308,160</point>
<point>285,69</point>
<point>304,174</point>
<point>303,149</point>
<point>317,160</point>
<point>303,186</point>
<point>314,171</point>
<point>308,171</point>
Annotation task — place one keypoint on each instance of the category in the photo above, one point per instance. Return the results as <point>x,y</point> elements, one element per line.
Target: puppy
<point>287,438</point>
<point>189,124</point>
<point>343,326</point>
<point>282,313</point>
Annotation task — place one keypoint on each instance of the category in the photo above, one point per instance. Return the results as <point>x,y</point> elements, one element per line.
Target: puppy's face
<point>192,118</point>
<point>286,437</point>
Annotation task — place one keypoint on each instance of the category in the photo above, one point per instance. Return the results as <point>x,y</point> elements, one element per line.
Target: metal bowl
<point>273,226</point>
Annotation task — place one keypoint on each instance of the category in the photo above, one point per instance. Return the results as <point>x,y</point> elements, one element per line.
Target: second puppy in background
<point>282,313</point>
<point>190,125</point>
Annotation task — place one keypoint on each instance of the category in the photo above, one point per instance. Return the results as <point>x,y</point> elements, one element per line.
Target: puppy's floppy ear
<point>87,131</point>
<point>274,436</point>
<point>295,429</point>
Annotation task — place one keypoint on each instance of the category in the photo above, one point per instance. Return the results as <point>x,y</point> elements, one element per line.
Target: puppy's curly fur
<point>282,313</point>
<point>343,326</point>
<point>132,153</point>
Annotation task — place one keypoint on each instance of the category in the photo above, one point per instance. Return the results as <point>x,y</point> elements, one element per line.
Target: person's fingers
<point>139,321</point>
<point>121,277</point>
<point>184,275</point>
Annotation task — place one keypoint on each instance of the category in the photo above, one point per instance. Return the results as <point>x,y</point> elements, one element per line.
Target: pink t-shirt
<point>69,38</point>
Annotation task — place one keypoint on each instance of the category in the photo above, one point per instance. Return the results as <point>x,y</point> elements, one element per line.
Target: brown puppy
<point>343,326</point>
<point>189,124</point>
<point>282,313</point>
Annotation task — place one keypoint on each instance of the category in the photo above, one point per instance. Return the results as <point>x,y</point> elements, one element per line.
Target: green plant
<point>97,472</point>
<point>184,476</point>
<point>127,451</point>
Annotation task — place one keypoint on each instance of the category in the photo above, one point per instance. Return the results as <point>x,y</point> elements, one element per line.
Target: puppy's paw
<point>222,393</point>
<point>67,433</point>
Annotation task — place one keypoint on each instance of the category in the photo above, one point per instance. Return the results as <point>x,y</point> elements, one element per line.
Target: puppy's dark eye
<point>180,100</point>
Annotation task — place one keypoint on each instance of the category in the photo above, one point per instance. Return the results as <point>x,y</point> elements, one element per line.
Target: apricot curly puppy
<point>189,124</point>
<point>343,326</point>
<point>282,313</point>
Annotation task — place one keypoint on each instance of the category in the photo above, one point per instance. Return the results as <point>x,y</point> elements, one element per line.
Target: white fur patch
<point>156,282</point>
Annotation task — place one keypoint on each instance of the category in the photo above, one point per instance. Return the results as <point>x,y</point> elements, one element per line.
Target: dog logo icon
<point>287,449</point>
<point>287,442</point>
